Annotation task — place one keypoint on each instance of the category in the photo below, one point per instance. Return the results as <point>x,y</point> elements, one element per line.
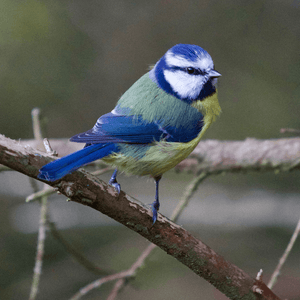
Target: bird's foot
<point>116,185</point>
<point>155,208</point>
<point>113,181</point>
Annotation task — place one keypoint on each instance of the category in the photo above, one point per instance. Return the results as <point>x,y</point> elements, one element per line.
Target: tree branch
<point>86,189</point>
<point>214,157</point>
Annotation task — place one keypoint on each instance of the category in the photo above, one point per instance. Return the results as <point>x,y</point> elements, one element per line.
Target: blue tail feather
<point>67,164</point>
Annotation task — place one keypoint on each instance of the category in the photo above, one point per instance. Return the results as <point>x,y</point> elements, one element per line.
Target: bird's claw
<point>116,185</point>
<point>113,181</point>
<point>155,208</point>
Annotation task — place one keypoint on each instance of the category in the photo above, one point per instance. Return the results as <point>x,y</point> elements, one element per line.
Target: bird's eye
<point>191,70</point>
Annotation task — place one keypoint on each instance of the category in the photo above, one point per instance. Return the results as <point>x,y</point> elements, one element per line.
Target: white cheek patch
<point>185,85</point>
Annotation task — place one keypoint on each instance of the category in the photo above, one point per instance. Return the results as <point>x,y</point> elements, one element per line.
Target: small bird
<point>156,124</point>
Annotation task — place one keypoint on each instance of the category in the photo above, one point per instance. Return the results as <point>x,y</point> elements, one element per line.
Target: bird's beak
<point>214,74</point>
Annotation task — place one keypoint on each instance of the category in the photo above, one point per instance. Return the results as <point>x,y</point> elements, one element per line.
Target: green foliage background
<point>74,59</point>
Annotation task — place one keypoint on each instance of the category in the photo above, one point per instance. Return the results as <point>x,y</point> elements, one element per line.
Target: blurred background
<point>74,59</point>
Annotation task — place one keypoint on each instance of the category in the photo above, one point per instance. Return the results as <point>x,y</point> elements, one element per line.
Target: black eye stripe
<point>189,70</point>
<point>193,71</point>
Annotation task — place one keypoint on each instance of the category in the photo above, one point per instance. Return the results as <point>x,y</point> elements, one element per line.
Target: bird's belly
<point>153,159</point>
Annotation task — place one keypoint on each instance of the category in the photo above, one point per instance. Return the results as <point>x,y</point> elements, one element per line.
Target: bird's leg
<point>113,181</point>
<point>155,204</point>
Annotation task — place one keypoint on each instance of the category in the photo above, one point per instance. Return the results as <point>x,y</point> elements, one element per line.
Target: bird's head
<point>187,72</point>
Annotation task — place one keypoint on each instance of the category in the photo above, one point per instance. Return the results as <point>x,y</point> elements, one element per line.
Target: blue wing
<point>116,128</point>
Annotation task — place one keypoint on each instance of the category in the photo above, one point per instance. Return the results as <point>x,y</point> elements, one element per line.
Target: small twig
<point>40,249</point>
<point>282,260</point>
<point>121,276</point>
<point>188,194</point>
<point>259,275</point>
<point>136,266</point>
<point>36,125</point>
<point>292,130</point>
<point>117,289</point>
<point>97,283</point>
<point>45,192</point>
<point>35,113</point>
<point>49,148</point>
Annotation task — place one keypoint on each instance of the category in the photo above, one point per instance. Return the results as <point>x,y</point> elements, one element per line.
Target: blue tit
<point>156,124</point>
